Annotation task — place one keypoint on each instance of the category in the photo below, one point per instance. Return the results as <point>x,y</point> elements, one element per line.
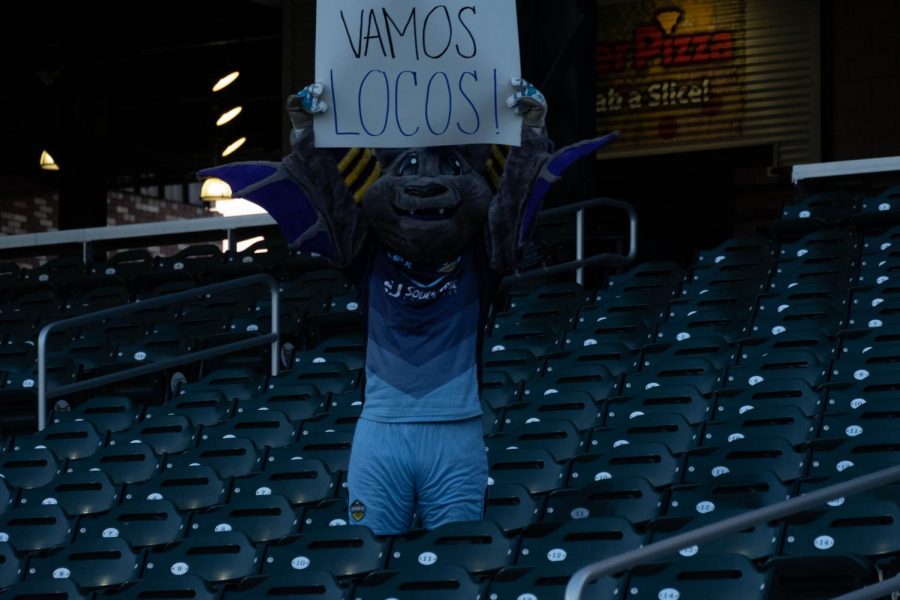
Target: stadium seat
<point>520,365</point>
<point>663,277</point>
<point>744,282</point>
<point>634,333</point>
<point>728,492</point>
<point>865,453</point>
<point>511,507</point>
<point>164,586</point>
<point>300,585</point>
<point>74,440</point>
<point>540,340</point>
<point>746,455</point>
<point>568,293</point>
<point>29,468</point>
<point>596,381</point>
<point>696,372</point>
<point>7,496</point>
<point>215,557</point>
<point>202,407</point>
<point>536,469</point>
<point>499,390</point>
<point>327,513</point>
<point>337,419</point>
<point>742,249</point>
<point>670,429</point>
<point>331,377</point>
<point>230,456</point>
<point>577,408</point>
<point>729,324</point>
<point>57,589</point>
<point>330,447</point>
<point>809,340</point>
<point>715,576</point>
<point>300,401</point>
<point>103,563</point>
<point>712,348</point>
<point>236,384</point>
<point>866,529</point>
<point>685,400</point>
<point>477,546</point>
<point>124,463</point>
<point>560,438</point>
<point>105,413</point>
<point>787,422</point>
<point>632,498</point>
<point>872,415</point>
<point>302,482</point>
<point>76,493</point>
<point>820,315</point>
<point>590,539</point>
<point>165,434</point>
<point>614,356</point>
<point>262,518</point>
<point>437,583</point>
<point>127,264</point>
<point>350,551</point>
<point>514,583</point>
<point>731,402</point>
<point>651,460</point>
<point>36,528</point>
<point>758,542</point>
<point>141,523</point>
<point>188,488</point>
<point>267,428</point>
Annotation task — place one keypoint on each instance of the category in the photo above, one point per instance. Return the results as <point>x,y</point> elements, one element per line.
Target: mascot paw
<point>306,103</point>
<point>529,102</point>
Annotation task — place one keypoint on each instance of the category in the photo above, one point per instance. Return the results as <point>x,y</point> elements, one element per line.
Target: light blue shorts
<point>435,470</point>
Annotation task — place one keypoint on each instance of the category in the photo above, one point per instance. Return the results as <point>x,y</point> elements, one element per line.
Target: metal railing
<point>816,499</point>
<point>270,338</point>
<point>615,260</point>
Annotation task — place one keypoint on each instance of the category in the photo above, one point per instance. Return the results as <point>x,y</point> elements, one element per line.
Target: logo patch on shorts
<point>357,510</point>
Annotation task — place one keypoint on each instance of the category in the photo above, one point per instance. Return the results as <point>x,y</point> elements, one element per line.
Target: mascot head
<point>429,203</point>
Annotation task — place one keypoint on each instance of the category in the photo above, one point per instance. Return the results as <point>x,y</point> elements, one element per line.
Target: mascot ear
<point>386,156</point>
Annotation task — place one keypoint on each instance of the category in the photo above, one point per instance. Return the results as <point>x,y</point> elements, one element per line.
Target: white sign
<point>413,73</point>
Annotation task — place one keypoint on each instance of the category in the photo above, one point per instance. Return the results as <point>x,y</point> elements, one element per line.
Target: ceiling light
<point>215,189</point>
<point>229,115</point>
<point>47,162</point>
<point>234,146</point>
<point>226,81</point>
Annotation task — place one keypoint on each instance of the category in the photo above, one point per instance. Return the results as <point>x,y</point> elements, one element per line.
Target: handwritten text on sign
<point>407,73</point>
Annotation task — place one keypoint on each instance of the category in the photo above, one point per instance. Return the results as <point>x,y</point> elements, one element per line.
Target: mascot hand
<point>529,102</point>
<point>304,104</point>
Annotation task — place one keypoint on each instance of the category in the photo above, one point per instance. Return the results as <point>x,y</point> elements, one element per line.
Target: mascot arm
<point>305,194</point>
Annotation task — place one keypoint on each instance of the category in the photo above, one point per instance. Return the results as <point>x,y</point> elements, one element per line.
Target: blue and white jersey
<point>424,337</point>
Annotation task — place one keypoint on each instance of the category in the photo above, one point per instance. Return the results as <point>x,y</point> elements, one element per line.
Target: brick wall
<point>29,214</point>
<point>40,213</point>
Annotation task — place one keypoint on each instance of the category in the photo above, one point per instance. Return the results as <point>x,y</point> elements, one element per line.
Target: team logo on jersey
<point>357,510</point>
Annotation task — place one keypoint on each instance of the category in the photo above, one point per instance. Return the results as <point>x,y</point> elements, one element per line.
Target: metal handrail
<point>269,338</point>
<point>816,499</point>
<point>617,260</point>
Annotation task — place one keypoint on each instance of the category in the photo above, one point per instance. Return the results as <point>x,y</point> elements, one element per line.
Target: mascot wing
<point>554,169</point>
<point>529,172</point>
<point>308,198</point>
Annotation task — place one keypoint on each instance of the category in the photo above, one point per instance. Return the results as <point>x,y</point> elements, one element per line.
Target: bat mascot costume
<point>425,233</point>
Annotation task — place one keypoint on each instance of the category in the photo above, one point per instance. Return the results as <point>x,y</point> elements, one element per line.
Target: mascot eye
<point>409,166</point>
<point>450,165</point>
